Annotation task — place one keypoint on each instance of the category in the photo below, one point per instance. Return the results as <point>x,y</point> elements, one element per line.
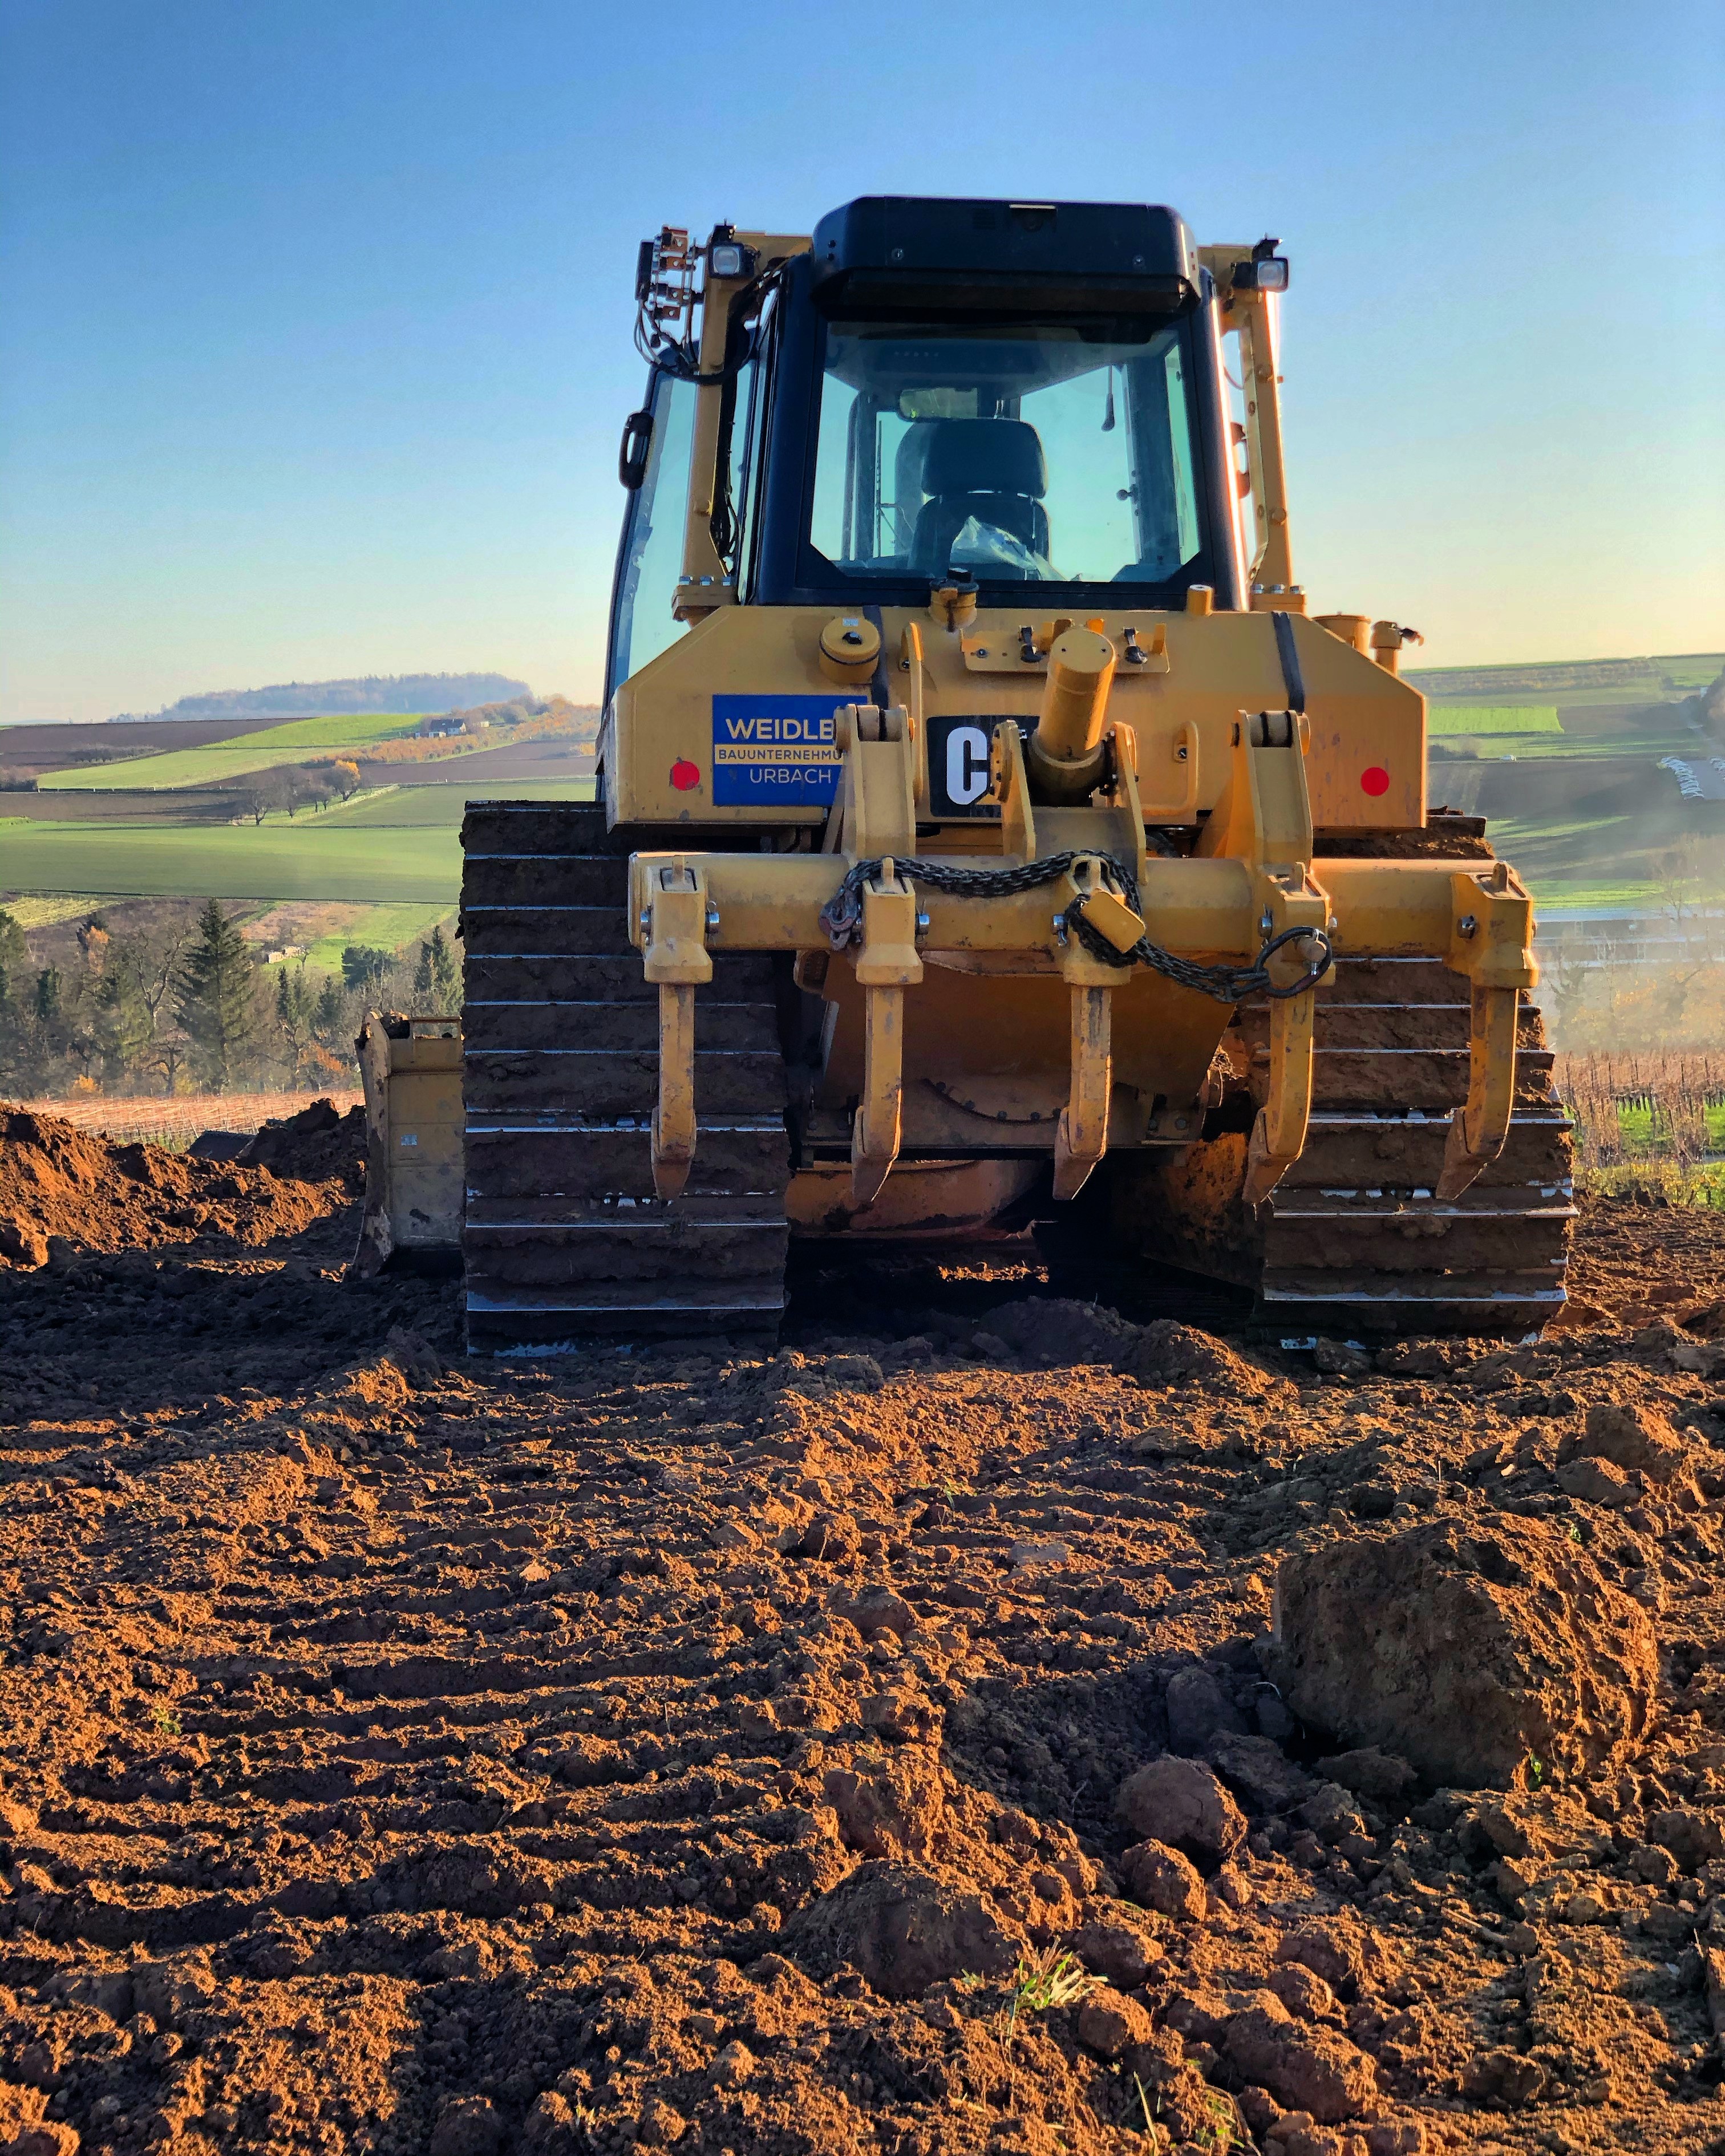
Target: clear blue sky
<point>315,315</point>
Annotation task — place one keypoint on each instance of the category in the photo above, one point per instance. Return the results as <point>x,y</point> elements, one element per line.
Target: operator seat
<point>992,470</point>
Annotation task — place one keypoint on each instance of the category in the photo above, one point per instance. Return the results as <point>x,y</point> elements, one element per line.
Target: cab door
<point>657,446</point>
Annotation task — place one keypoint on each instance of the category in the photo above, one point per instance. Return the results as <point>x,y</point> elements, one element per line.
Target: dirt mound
<point>1052,1331</point>
<point>60,1183</point>
<point>903,1928</point>
<point>314,1146</point>
<point>1470,1650</point>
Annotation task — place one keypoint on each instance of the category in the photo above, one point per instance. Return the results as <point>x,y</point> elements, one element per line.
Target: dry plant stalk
<point>1645,1111</point>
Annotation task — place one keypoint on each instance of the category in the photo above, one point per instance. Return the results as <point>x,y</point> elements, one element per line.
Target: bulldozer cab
<point>990,396</point>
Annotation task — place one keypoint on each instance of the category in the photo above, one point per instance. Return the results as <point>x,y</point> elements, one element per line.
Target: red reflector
<point>685,774</point>
<point>1374,780</point>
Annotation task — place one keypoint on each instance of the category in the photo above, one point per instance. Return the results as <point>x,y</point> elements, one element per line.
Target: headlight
<point>730,258</point>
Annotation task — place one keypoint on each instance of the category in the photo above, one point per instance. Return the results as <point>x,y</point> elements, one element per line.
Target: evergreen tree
<point>329,1020</point>
<point>14,1024</point>
<point>216,1003</point>
<point>436,978</point>
<point>14,952</point>
<point>445,972</point>
<point>125,1025</point>
<point>364,967</point>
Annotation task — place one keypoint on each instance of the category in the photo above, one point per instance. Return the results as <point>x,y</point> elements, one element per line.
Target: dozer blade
<point>411,1070</point>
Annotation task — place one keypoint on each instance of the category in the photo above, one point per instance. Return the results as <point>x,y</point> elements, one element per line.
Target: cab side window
<point>650,559</point>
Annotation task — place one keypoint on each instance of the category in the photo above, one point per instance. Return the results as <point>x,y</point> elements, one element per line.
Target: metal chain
<point>841,918</point>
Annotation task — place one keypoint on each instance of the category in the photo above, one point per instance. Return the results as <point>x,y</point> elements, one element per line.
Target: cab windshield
<point>1059,453</point>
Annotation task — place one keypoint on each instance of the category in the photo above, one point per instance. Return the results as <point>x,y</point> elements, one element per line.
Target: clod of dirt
<point>1470,1651</point>
<point>1163,1880</point>
<point>1371,1774</point>
<point>892,1812</point>
<point>904,1927</point>
<point>314,1146</point>
<point>1636,1438</point>
<point>1109,2022</point>
<point>1307,2069</point>
<point>1504,2080</point>
<point>1705,1320</point>
<point>1349,1960</point>
<point>467,2126</point>
<point>1198,1709</point>
<point>1260,1771</point>
<point>1185,2106</point>
<point>1122,1954</point>
<point>876,1610</point>
<point>23,1246</point>
<point>1305,1993</point>
<point>1693,1837</point>
<point>59,1183</point>
<point>1180,1802</point>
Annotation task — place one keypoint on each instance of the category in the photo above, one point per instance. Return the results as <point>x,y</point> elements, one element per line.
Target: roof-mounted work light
<point>1267,272</point>
<point>729,257</point>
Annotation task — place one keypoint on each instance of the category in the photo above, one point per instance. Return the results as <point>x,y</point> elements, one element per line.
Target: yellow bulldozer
<point>987,833</point>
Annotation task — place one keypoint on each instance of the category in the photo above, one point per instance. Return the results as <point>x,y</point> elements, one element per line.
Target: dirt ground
<point>990,1725</point>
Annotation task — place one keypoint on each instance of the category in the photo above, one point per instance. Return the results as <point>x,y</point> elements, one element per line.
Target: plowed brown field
<point>1037,1733</point>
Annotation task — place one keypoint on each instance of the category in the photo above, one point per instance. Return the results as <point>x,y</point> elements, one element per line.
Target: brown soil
<point>402,1752</point>
<point>316,1144</point>
<point>1635,1261</point>
<point>63,1190</point>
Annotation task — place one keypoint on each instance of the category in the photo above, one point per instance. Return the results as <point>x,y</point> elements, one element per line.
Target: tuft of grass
<point>1046,1979</point>
<point>167,1723</point>
<point>1221,2134</point>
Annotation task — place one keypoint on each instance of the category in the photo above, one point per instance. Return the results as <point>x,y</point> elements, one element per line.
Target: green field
<point>398,848</point>
<point>1554,895</point>
<point>1493,719</point>
<point>1570,684</point>
<point>225,760</point>
<point>381,928</point>
<point>1693,673</point>
<point>1570,749</point>
<point>309,858</point>
<point>410,807</point>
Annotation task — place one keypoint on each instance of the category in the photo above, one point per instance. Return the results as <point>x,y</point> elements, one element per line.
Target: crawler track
<point>1354,1233</point>
<point>564,1236</point>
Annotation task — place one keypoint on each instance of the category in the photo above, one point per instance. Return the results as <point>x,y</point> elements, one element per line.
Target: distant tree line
<point>368,692</point>
<point>295,786</point>
<point>188,1008</point>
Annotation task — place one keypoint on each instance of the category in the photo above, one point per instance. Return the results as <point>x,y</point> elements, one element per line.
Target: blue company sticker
<point>774,751</point>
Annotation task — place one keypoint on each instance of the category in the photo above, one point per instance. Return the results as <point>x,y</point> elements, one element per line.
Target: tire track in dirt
<point>403,1752</point>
